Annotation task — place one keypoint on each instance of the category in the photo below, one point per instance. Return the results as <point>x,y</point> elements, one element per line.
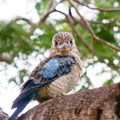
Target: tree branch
<point>50,8</point>
<point>94,37</point>
<point>77,33</point>
<point>96,104</point>
<point>99,9</point>
<point>3,115</point>
<point>71,23</point>
<point>24,19</point>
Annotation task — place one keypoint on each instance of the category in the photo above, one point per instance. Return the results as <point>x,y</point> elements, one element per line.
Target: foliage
<point>20,37</point>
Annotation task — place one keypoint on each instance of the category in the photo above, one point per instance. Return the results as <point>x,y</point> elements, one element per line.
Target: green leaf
<point>108,82</point>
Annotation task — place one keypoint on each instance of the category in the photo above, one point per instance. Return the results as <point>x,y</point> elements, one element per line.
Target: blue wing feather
<point>51,68</point>
<point>19,109</point>
<point>46,73</point>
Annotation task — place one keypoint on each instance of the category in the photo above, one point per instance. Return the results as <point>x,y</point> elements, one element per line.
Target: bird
<point>54,76</point>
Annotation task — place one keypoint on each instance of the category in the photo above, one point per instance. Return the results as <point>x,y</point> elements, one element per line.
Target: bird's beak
<point>64,46</point>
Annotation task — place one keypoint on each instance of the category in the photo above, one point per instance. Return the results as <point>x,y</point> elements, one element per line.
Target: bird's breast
<point>61,85</point>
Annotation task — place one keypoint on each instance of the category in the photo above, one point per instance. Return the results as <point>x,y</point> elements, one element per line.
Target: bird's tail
<point>19,109</point>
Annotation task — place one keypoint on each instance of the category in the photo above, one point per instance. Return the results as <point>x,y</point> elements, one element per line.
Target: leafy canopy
<point>20,38</point>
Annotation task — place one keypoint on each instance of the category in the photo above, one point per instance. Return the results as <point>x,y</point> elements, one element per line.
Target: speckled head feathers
<point>63,36</point>
<point>63,44</point>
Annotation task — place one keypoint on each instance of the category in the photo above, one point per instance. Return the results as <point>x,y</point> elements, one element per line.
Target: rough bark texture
<point>3,115</point>
<point>96,104</point>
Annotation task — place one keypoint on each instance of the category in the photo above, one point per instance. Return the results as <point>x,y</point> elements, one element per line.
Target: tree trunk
<point>96,104</point>
<point>3,115</point>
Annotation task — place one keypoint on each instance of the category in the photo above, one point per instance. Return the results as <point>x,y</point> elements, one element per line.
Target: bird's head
<point>62,43</point>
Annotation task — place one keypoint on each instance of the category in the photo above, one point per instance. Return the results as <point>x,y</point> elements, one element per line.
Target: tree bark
<point>3,115</point>
<point>96,104</point>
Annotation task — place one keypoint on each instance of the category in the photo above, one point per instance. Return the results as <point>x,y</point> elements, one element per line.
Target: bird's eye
<point>56,43</point>
<point>71,42</point>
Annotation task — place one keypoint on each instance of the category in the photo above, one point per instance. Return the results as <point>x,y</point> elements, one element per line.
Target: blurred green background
<point>25,41</point>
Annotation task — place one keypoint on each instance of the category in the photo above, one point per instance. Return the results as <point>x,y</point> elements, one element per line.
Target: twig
<point>50,8</point>
<point>94,37</point>
<point>77,33</point>
<point>86,24</point>
<point>24,19</point>
<point>77,21</point>
<point>99,9</point>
